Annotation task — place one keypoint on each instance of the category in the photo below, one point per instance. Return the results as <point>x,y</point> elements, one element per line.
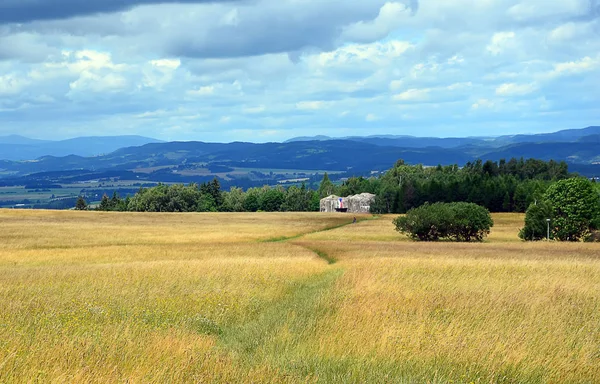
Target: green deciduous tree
<point>575,205</point>
<point>536,224</point>
<point>272,200</point>
<point>233,201</point>
<point>252,200</point>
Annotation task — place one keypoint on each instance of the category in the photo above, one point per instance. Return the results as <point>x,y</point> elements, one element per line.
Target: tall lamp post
<point>548,229</point>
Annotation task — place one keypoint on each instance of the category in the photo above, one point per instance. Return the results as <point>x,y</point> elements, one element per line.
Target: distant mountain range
<point>179,161</point>
<point>16,148</point>
<point>567,136</point>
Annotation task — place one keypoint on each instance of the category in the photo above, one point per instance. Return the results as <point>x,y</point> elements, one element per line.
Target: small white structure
<point>351,204</point>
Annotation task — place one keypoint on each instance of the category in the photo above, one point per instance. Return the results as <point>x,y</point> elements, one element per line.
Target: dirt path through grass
<point>273,338</point>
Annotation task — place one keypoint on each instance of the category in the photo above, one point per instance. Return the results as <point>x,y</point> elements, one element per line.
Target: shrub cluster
<point>452,221</point>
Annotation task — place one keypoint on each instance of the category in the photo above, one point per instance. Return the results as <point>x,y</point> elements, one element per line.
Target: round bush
<point>451,221</point>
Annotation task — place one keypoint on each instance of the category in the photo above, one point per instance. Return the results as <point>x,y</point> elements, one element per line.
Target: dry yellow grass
<point>67,229</point>
<point>152,298</point>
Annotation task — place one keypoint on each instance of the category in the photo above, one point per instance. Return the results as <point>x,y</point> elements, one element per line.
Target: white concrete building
<point>351,204</point>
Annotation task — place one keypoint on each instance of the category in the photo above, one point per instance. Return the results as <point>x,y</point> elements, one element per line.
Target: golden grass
<point>67,229</point>
<point>152,298</point>
<point>481,314</point>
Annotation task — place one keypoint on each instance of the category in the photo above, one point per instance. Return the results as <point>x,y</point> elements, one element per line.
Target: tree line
<point>208,197</point>
<point>503,186</point>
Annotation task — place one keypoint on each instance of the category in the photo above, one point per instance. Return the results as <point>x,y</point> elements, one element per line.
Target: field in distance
<point>288,297</point>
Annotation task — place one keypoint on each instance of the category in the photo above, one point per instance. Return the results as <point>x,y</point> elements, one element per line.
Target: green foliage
<point>113,204</point>
<point>536,225</point>
<point>469,222</point>
<point>315,202</point>
<point>177,198</point>
<point>206,203</point>
<point>272,199</point>
<point>326,188</point>
<point>297,199</point>
<point>233,201</point>
<point>81,204</point>
<point>251,203</point>
<point>498,186</point>
<point>575,208</point>
<point>454,221</point>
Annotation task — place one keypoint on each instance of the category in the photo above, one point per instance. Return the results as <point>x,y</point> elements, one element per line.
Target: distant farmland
<point>298,297</point>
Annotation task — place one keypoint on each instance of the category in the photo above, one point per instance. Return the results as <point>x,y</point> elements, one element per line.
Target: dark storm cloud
<point>270,37</point>
<point>275,28</point>
<point>22,11</point>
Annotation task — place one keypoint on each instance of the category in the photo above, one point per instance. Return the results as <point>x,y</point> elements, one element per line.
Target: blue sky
<point>269,70</point>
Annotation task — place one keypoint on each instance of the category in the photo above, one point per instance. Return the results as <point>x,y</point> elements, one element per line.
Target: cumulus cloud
<point>500,42</point>
<point>413,95</point>
<point>179,69</point>
<point>585,64</point>
<point>391,16</point>
<point>11,84</point>
<point>202,91</point>
<point>512,89</point>
<point>90,82</point>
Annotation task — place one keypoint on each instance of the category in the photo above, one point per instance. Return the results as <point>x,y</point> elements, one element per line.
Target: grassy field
<point>268,297</point>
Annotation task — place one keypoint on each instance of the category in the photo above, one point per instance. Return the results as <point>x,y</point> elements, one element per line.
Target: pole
<point>548,230</point>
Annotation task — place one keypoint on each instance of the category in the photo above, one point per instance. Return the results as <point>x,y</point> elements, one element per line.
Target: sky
<point>270,70</point>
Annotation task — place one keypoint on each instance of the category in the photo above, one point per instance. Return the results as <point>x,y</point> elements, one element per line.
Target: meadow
<point>288,297</point>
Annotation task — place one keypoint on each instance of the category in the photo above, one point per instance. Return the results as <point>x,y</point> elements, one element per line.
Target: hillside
<point>339,155</point>
<point>567,136</point>
<point>186,161</point>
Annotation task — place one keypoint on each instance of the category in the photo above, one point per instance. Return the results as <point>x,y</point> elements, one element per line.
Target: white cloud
<point>456,60</point>
<point>586,64</point>
<point>512,89</point>
<point>413,95</point>
<point>11,84</point>
<point>312,105</point>
<point>483,104</point>
<point>160,72</point>
<point>297,66</point>
<point>378,53</point>
<point>391,15</point>
<point>572,30</point>
<point>152,114</point>
<point>89,81</point>
<point>202,91</point>
<point>90,60</point>
<point>501,42</point>
<point>168,64</point>
<point>459,86</point>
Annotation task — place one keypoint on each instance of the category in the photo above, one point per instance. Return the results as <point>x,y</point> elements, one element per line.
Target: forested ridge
<point>503,186</point>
